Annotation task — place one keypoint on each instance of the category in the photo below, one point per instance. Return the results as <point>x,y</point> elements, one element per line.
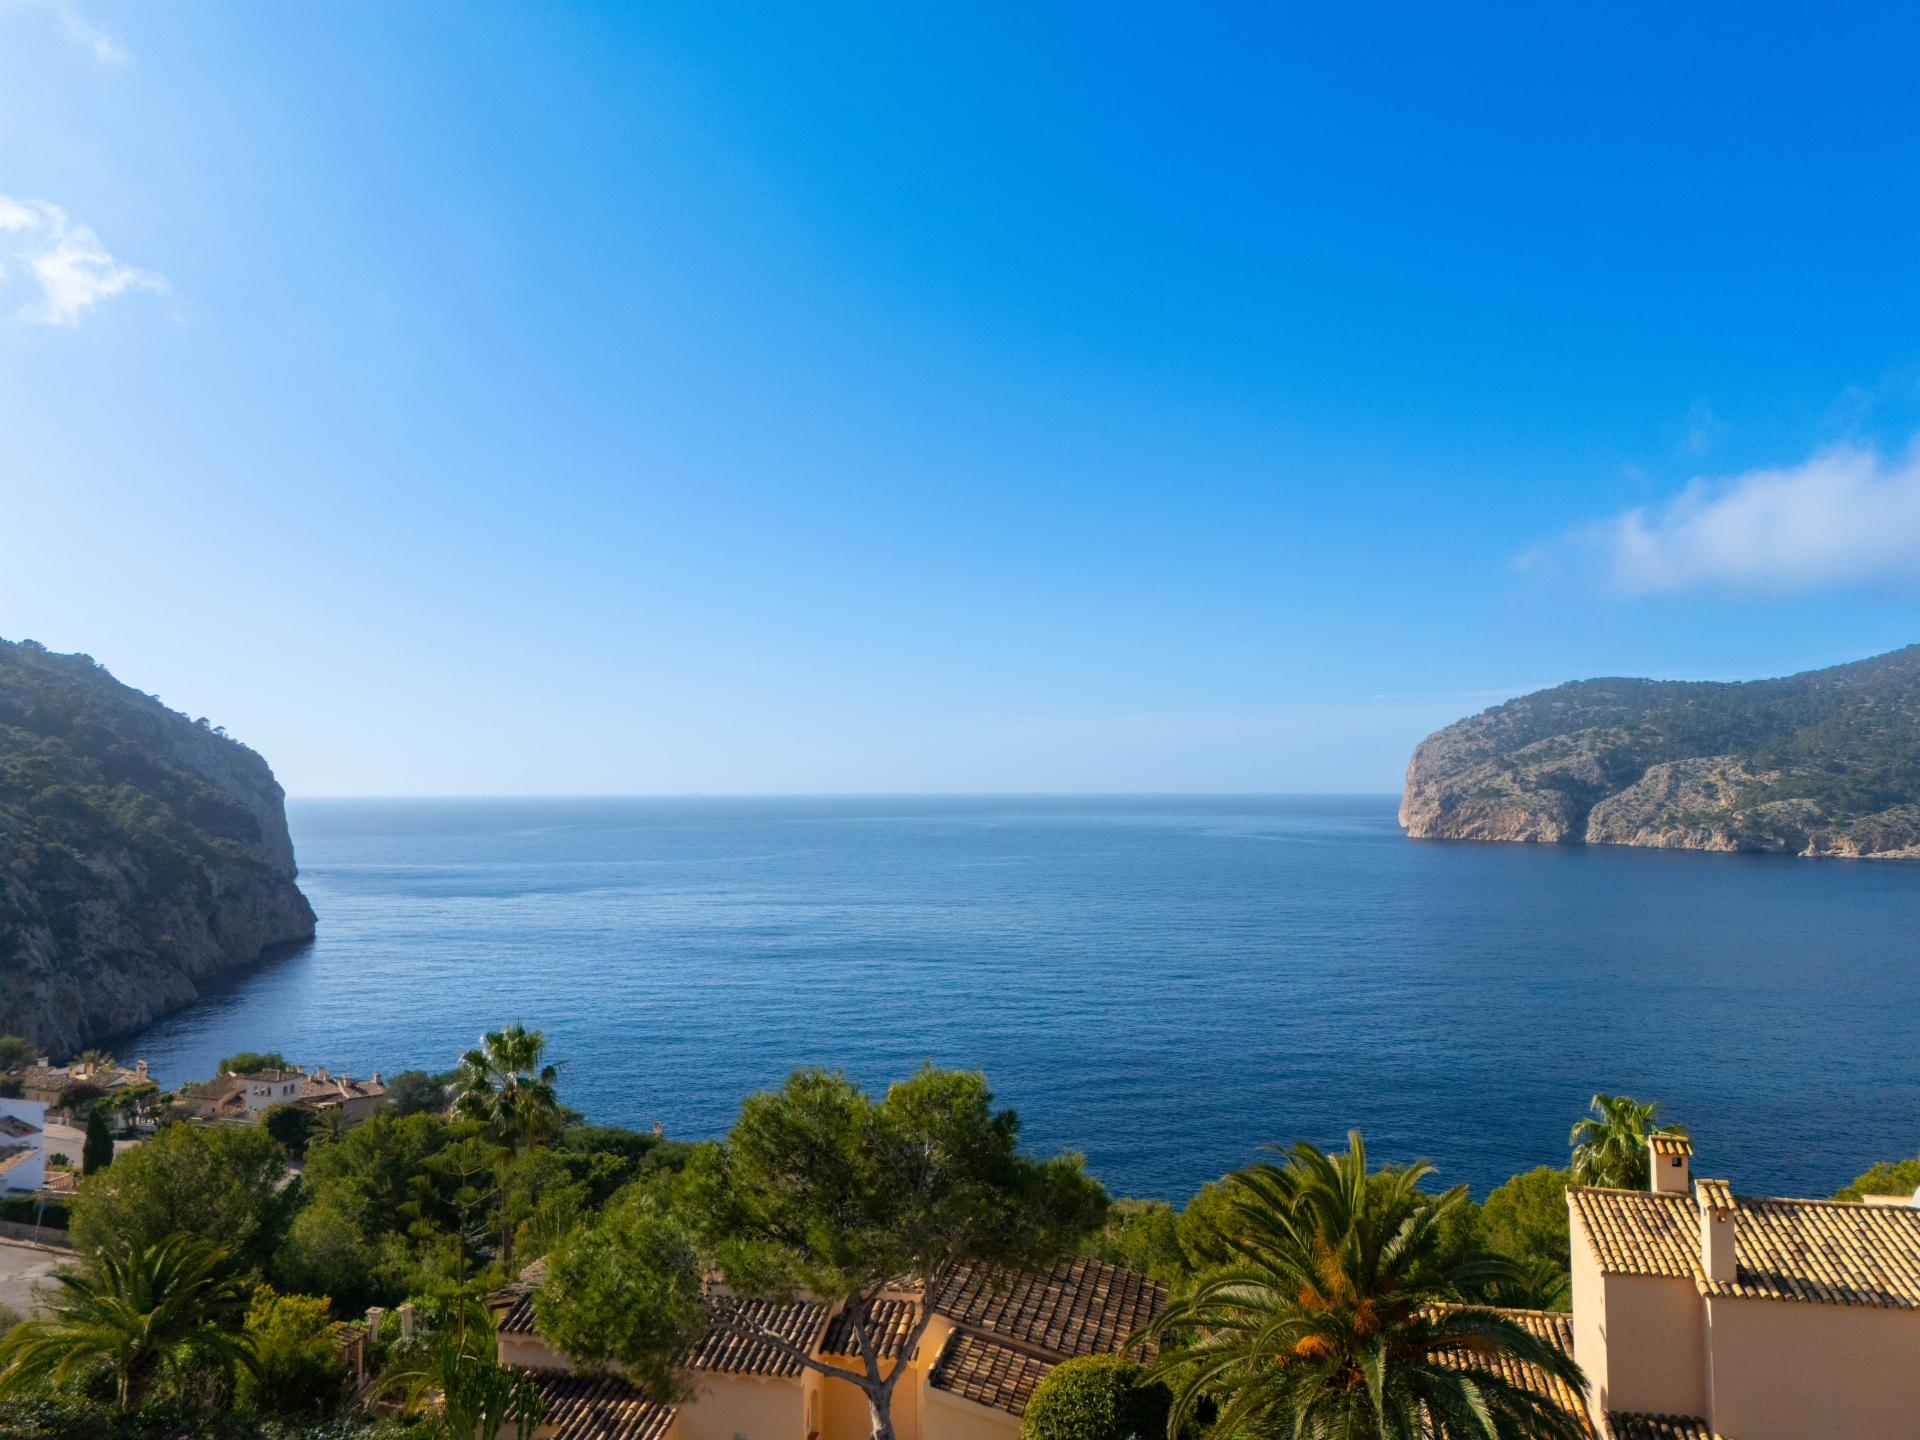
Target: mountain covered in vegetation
<point>141,853</point>
<point>1822,763</point>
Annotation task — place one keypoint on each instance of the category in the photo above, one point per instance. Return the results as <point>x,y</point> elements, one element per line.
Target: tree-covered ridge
<point>139,851</point>
<point>1827,761</point>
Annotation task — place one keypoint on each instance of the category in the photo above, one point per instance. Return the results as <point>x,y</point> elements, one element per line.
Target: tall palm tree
<point>132,1310</point>
<point>1337,1317</point>
<point>503,1085</point>
<point>1610,1145</point>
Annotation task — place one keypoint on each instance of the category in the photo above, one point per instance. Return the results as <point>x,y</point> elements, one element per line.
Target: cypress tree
<point>98,1154</point>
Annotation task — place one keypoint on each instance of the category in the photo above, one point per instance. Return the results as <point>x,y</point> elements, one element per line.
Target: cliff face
<point>1822,763</point>
<point>140,853</point>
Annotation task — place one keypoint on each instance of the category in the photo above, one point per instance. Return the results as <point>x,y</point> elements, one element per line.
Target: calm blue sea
<point>1161,983</point>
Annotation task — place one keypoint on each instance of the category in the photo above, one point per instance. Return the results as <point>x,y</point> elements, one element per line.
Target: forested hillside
<point>1822,763</point>
<point>140,853</point>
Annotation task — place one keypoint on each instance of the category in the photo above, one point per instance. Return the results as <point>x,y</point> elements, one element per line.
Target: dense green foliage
<point>97,1151</point>
<point>1899,1177</point>
<point>413,1092</point>
<point>211,1183</point>
<point>298,1371</point>
<point>819,1187</point>
<point>251,1062</point>
<point>1338,1297</point>
<point>136,1308</point>
<point>627,1288</point>
<point>1097,1397</point>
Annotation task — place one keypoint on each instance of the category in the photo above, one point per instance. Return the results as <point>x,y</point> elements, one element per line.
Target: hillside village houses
<point>1697,1315</point>
<point>244,1098</point>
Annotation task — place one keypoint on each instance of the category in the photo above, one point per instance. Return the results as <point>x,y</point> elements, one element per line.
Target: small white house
<point>23,1144</point>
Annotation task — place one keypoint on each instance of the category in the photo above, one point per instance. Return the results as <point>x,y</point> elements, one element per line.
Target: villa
<point>970,1377</point>
<point>1717,1314</point>
<point>243,1099</point>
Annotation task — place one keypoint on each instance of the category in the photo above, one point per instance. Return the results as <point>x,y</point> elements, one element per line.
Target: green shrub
<point>1096,1397</point>
<point>1900,1177</point>
<point>300,1368</point>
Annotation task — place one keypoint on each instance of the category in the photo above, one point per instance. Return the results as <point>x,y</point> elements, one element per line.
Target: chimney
<point>1719,1225</point>
<point>140,1068</point>
<point>376,1077</point>
<point>1669,1159</point>
<point>659,1129</point>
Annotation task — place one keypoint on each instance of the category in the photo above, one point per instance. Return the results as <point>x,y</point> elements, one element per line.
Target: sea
<point>1163,984</point>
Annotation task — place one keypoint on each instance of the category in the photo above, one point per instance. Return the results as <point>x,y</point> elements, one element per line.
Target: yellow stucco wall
<point>951,1418</point>
<point>1655,1337</point>
<point>1589,1320</point>
<point>729,1406</point>
<point>1787,1370</point>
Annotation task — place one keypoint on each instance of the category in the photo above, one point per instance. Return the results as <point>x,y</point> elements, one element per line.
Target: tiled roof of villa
<point>1078,1307</point>
<point>889,1322</point>
<point>1624,1426</point>
<point>513,1304</point>
<point>597,1407</point>
<point>1670,1144</point>
<point>1828,1252</point>
<point>997,1376</point>
<point>16,1129</point>
<point>731,1352</point>
<point>12,1155</point>
<point>1553,1326</point>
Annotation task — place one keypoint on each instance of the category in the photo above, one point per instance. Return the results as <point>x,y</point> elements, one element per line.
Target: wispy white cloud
<point>40,242</point>
<point>1843,517</point>
<point>80,30</point>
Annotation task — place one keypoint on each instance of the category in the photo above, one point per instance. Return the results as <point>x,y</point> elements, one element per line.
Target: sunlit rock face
<point>1822,763</point>
<point>141,854</point>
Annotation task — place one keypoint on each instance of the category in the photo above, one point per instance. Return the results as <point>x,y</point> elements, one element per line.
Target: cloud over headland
<point>1845,516</point>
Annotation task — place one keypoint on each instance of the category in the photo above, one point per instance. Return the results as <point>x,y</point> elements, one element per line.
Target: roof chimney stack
<point>1669,1161</point>
<point>1719,1226</point>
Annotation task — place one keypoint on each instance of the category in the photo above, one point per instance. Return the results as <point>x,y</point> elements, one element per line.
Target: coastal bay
<point>1163,982</point>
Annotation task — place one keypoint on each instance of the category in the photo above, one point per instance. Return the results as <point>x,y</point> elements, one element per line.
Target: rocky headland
<point>1822,763</point>
<point>142,854</point>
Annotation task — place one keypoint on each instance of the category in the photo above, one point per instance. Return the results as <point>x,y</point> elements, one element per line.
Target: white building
<point>23,1144</point>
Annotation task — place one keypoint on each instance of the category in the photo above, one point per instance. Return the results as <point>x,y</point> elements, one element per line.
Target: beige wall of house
<point>531,1352</point>
<point>1641,1339</point>
<point>1656,1345</point>
<point>1785,1370</point>
<point>951,1418</point>
<point>732,1406</point>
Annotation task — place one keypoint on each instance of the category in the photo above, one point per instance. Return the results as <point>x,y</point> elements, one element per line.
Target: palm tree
<point>477,1393</point>
<point>132,1310</point>
<point>501,1085</point>
<point>1610,1146</point>
<point>1337,1317</point>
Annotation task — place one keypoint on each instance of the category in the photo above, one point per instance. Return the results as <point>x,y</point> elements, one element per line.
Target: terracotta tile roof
<point>16,1129</point>
<point>1670,1144</point>
<point>731,1352</point>
<point>1079,1307</point>
<point>889,1322</point>
<point>1824,1251</point>
<point>1622,1425</point>
<point>517,1318</point>
<point>993,1375</point>
<point>12,1155</point>
<point>512,1305</point>
<point>597,1407</point>
<point>1553,1326</point>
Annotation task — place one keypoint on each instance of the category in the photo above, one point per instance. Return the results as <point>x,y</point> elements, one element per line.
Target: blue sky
<point>633,399</point>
